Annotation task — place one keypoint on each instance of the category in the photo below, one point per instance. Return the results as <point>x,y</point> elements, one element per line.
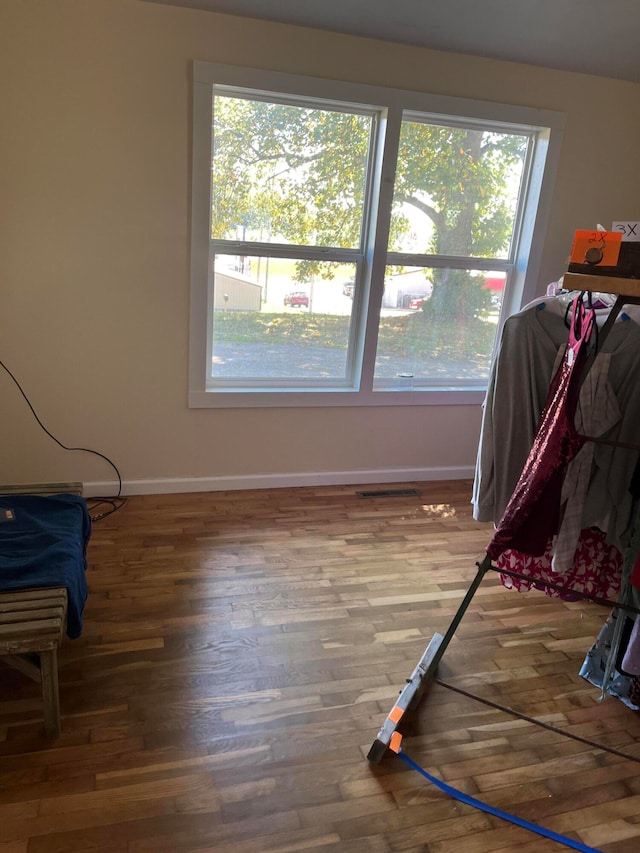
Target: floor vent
<point>389,493</point>
<point>40,488</point>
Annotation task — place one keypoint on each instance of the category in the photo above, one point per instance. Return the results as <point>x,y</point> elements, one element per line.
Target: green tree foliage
<point>298,175</point>
<point>295,173</point>
<point>458,178</point>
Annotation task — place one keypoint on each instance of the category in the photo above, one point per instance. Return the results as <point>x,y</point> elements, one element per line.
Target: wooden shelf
<point>602,284</point>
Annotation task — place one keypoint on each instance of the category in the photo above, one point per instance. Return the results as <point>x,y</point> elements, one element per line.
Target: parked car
<point>297,299</point>
<point>417,303</point>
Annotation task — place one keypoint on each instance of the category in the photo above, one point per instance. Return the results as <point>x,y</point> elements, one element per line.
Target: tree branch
<point>434,215</point>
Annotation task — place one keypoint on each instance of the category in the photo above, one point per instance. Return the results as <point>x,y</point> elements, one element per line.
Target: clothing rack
<point>627,291</point>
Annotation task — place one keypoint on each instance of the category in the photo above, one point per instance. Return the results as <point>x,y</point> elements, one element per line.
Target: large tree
<point>461,179</point>
<point>299,174</point>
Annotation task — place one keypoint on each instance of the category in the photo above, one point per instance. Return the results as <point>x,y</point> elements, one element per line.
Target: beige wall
<point>94,240</point>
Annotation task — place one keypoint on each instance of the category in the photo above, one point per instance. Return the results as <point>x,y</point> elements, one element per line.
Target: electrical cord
<point>468,800</point>
<point>491,704</point>
<point>114,502</point>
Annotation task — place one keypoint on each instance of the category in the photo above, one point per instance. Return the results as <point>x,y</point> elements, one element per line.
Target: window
<point>356,245</point>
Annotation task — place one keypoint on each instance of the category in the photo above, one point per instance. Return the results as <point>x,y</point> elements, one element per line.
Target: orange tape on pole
<point>396,742</point>
<point>395,714</point>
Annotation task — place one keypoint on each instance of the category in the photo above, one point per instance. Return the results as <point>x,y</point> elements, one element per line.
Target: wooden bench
<point>32,624</point>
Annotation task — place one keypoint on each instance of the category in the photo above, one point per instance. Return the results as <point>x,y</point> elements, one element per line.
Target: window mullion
<point>285,250</point>
<point>448,261</point>
<point>377,235</point>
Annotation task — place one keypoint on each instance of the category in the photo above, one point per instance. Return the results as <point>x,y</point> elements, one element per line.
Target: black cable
<point>535,721</point>
<point>117,501</point>
<point>114,503</point>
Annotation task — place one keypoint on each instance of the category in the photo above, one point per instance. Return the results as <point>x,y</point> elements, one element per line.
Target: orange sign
<point>596,248</point>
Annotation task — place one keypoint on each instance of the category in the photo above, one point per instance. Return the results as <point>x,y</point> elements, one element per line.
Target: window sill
<point>251,399</point>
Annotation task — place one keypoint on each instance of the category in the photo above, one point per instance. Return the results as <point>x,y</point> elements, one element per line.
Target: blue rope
<point>477,804</point>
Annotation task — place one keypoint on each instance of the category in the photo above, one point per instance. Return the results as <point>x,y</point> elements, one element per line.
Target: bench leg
<point>50,697</point>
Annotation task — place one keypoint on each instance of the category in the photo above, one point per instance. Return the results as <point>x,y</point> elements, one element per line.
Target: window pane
<point>281,319</point>
<point>277,170</point>
<point>437,326</point>
<point>456,190</point>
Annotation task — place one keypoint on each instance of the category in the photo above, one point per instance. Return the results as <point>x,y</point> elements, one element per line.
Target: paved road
<point>258,360</point>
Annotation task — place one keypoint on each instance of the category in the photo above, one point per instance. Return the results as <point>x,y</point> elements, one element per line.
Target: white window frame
<point>392,105</point>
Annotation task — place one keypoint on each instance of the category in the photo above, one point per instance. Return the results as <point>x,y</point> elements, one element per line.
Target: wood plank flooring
<point>242,649</point>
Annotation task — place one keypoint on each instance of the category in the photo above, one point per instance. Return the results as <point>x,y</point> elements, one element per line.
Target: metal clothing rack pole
<point>627,292</point>
<point>423,674</point>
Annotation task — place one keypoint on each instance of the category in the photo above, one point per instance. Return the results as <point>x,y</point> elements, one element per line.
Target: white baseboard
<point>277,481</point>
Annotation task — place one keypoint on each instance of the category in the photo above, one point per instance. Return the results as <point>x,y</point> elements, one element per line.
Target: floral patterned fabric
<point>596,569</point>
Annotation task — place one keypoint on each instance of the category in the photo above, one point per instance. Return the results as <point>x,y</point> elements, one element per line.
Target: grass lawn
<point>407,335</point>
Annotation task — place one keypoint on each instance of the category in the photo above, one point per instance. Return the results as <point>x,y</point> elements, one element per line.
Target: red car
<point>297,299</point>
<point>418,303</point>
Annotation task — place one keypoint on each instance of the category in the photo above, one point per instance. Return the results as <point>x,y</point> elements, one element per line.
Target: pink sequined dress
<point>531,517</point>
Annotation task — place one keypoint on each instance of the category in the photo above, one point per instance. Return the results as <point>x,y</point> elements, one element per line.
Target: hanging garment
<point>596,569</point>
<point>518,386</point>
<point>622,638</point>
<point>531,343</point>
<point>635,573</point>
<point>596,414</point>
<point>532,515</point>
<point>634,692</point>
<point>631,568</point>
<point>631,659</point>
<point>598,671</point>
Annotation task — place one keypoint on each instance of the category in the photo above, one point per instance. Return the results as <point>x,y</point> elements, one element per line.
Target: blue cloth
<point>43,543</point>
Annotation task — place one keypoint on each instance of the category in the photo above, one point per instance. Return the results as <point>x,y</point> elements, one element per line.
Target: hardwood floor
<point>241,651</point>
